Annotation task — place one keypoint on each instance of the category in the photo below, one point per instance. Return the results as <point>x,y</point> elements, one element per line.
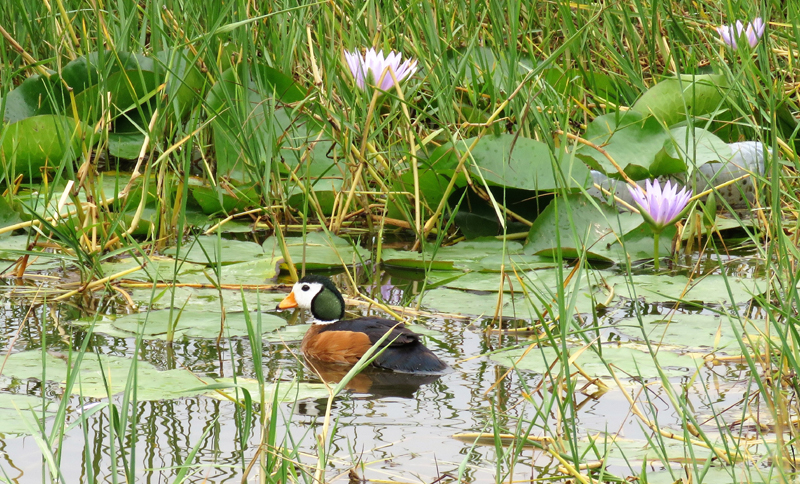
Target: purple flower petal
<point>373,65</point>
<point>662,205</point>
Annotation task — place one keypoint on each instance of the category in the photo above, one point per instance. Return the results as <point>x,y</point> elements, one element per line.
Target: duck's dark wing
<point>402,349</point>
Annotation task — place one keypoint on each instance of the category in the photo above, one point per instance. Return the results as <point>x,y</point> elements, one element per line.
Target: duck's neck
<point>327,307</point>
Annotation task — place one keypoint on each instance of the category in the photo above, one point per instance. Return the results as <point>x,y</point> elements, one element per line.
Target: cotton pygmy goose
<point>334,340</point>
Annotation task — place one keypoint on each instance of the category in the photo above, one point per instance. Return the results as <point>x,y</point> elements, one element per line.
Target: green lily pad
<point>15,413</point>
<point>288,392</point>
<point>575,224</point>
<point>530,166</point>
<point>205,299</point>
<point>254,272</point>
<point>152,384</point>
<point>319,251</point>
<point>226,198</point>
<point>464,255</point>
<point>632,140</point>
<point>192,323</point>
<point>672,100</point>
<point>692,149</point>
<point>627,359</point>
<point>696,332</point>
<point>209,249</point>
<point>154,268</point>
<point>125,145</point>
<point>712,289</point>
<point>38,141</point>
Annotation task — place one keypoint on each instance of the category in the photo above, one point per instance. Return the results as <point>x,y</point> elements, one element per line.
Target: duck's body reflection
<point>372,381</point>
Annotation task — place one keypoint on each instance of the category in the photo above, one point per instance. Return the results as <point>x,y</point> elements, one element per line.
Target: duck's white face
<point>304,293</point>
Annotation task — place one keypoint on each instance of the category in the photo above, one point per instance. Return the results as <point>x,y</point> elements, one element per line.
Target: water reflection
<point>376,382</point>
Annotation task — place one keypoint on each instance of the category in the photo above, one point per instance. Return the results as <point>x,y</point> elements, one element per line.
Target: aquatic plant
<point>752,32</point>
<point>660,208</point>
<point>373,68</point>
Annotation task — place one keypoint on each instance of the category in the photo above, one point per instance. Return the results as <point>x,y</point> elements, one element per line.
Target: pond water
<point>388,427</point>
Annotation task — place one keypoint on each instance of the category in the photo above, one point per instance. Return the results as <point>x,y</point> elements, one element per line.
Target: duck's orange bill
<point>288,302</point>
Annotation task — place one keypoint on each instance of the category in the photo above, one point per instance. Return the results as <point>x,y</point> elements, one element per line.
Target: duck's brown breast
<point>342,346</point>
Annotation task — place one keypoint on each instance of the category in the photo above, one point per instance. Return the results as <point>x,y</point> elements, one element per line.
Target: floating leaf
<point>287,391</point>
<point>672,100</point>
<point>253,272</point>
<point>38,141</point>
<point>672,330</point>
<point>575,225</point>
<point>628,360</point>
<point>689,149</point>
<point>712,289</point>
<point>209,249</point>
<point>226,197</point>
<point>465,255</point>
<point>529,166</point>
<point>192,324</point>
<point>95,371</point>
<point>319,251</point>
<point>631,139</point>
<point>16,415</point>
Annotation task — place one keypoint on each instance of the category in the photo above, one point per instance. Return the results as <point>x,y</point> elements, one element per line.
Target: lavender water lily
<point>660,208</point>
<point>375,69</point>
<point>752,32</point>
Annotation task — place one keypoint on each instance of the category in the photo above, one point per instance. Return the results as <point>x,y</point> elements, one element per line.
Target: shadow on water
<point>375,382</point>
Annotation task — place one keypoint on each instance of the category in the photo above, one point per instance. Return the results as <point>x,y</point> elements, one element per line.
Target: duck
<point>333,339</point>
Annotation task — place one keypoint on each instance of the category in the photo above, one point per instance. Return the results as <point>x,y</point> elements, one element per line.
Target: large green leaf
<point>192,323</point>
<point>208,249</point>
<point>689,149</point>
<point>627,360</point>
<point>465,255</point>
<point>672,100</point>
<point>530,166</point>
<point>631,139</point>
<point>711,289</point>
<point>319,251</point>
<point>576,226</point>
<point>34,142</point>
<point>16,415</point>
<point>36,96</point>
<point>226,197</point>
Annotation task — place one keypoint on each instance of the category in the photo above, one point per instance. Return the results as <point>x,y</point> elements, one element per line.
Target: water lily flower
<point>660,208</point>
<point>370,67</point>
<point>752,32</point>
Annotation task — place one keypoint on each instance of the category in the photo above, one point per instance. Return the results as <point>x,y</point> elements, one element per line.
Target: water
<point>397,430</point>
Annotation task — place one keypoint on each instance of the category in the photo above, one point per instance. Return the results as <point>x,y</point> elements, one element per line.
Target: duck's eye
<point>305,287</point>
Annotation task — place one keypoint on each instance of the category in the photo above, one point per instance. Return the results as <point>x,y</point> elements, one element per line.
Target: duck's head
<point>319,295</point>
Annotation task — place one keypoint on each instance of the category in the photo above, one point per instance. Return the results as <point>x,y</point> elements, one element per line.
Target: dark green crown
<point>328,305</point>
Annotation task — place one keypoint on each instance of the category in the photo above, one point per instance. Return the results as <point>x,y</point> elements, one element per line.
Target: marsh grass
<point>482,67</point>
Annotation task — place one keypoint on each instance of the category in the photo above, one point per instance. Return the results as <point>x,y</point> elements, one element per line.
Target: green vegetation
<point>165,167</point>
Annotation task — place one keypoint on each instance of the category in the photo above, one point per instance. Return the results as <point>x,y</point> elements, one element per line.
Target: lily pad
<point>632,140</point>
<point>207,300</point>
<point>672,100</point>
<point>464,255</point>
<point>319,251</point>
<point>15,413</point>
<point>154,268</point>
<point>253,272</point>
<point>226,197</point>
<point>574,225</point>
<point>209,249</point>
<point>95,370</point>
<point>288,392</point>
<point>696,332</point>
<point>691,148</point>
<point>635,362</point>
<point>192,323</point>
<point>38,141</point>
<point>712,289</point>
<point>529,166</point>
